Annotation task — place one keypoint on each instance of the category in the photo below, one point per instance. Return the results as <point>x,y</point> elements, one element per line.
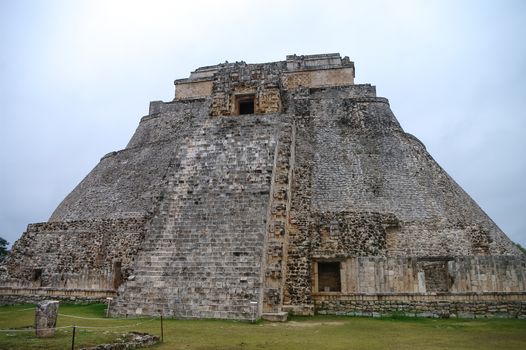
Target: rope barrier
<point>105,319</point>
<point>82,327</point>
<point>7,312</point>
<point>32,329</point>
<point>123,326</point>
<point>89,318</point>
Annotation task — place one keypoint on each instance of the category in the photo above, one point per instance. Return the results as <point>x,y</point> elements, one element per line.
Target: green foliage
<point>521,248</point>
<point>300,333</point>
<point>3,247</point>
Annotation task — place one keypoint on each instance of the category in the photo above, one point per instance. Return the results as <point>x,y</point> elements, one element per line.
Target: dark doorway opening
<point>36,276</point>
<point>245,105</point>
<point>117,274</point>
<point>329,277</point>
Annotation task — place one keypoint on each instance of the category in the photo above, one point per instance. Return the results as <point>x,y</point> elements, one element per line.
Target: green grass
<point>319,332</point>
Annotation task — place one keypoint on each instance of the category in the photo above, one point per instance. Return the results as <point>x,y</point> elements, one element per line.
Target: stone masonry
<point>273,188</point>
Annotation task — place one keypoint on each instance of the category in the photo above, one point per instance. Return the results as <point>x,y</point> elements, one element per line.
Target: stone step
<point>281,316</point>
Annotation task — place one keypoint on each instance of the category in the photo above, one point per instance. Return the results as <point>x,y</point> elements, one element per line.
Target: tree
<point>3,247</point>
<point>521,248</point>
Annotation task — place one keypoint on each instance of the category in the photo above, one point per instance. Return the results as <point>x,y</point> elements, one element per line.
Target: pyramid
<point>268,189</point>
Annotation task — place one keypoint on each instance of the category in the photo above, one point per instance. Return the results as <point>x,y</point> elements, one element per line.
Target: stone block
<point>275,316</point>
<point>46,313</point>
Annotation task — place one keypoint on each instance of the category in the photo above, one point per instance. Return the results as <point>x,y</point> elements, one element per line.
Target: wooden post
<point>254,307</point>
<point>109,304</point>
<point>73,338</point>
<point>162,328</point>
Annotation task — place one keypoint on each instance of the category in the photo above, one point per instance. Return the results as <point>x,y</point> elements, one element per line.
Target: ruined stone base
<point>482,305</point>
<point>132,340</point>
<point>275,316</point>
<point>299,310</point>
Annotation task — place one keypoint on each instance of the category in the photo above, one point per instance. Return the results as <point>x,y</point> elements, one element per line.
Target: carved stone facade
<point>271,188</point>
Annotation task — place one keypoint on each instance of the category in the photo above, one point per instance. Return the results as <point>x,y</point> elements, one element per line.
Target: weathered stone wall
<point>17,295</point>
<point>116,188</point>
<point>429,274</point>
<point>75,254</point>
<point>128,183</point>
<point>508,305</point>
<point>317,71</point>
<point>170,121</point>
<point>317,62</point>
<point>366,162</point>
<point>344,91</point>
<point>198,85</point>
<point>344,234</point>
<point>363,187</point>
<point>319,78</point>
<point>193,89</point>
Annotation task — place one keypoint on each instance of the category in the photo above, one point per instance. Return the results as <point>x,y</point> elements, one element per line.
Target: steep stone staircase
<point>203,252</point>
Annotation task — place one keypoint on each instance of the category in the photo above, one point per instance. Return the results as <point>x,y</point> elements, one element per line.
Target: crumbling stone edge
<point>133,340</point>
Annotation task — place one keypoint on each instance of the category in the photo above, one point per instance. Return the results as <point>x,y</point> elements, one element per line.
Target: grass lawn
<point>319,332</point>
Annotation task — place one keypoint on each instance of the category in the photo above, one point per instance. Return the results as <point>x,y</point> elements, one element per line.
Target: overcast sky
<point>76,77</point>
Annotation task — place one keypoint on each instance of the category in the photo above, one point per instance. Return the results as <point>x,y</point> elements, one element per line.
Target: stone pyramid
<point>266,189</point>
